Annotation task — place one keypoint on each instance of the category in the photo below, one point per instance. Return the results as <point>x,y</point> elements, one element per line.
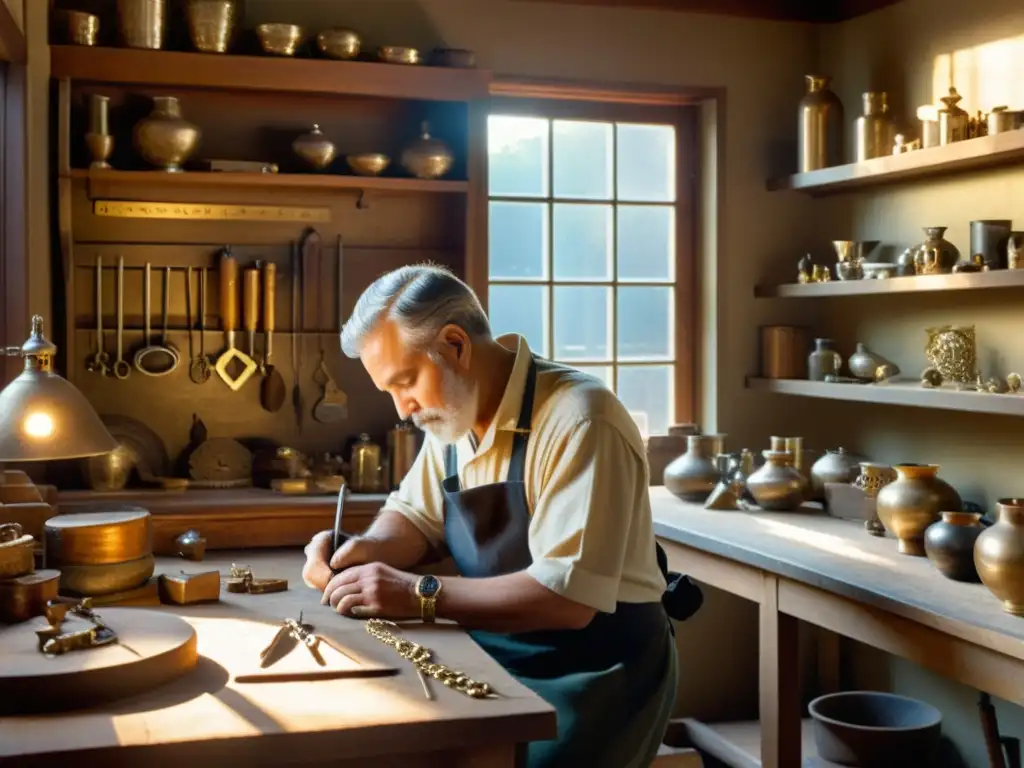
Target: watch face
<point>428,586</point>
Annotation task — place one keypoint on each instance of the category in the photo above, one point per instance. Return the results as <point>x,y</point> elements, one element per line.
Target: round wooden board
<point>31,682</point>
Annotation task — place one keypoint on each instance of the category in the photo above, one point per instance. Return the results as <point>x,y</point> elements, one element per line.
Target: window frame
<point>568,102</point>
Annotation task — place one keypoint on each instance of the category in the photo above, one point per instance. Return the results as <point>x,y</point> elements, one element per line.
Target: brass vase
<point>874,130</point>
<point>315,149</point>
<point>211,24</point>
<point>142,23</point>
<point>950,542</point>
<point>778,485</point>
<point>427,157</point>
<point>820,137</point>
<point>912,502</point>
<point>98,138</point>
<point>164,138</point>
<point>999,556</point>
<point>694,475</point>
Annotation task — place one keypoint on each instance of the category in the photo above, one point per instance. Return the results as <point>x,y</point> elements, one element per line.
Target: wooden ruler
<point>209,212</point>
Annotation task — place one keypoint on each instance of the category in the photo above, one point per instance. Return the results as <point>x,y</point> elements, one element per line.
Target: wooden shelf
<point>738,744</point>
<point>102,180</point>
<point>973,154</point>
<point>125,66</point>
<point>908,393</point>
<point>1003,278</point>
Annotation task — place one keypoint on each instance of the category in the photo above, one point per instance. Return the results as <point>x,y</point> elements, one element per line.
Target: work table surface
<point>205,716</point>
<point>840,557</point>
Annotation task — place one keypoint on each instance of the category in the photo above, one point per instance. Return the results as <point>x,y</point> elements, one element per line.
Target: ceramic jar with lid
<point>695,474</point>
<point>836,466</point>
<point>777,486</point>
<point>999,555</point>
<point>912,502</point>
<point>949,544</point>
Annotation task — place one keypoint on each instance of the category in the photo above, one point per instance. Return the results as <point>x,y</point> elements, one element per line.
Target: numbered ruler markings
<point>204,212</point>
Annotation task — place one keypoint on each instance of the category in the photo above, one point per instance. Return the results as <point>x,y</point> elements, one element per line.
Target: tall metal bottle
<point>821,126</point>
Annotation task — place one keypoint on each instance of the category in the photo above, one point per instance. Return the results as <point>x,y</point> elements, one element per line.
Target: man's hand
<point>374,590</point>
<point>317,572</point>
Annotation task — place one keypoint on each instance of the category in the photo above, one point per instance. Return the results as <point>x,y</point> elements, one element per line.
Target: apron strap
<point>517,462</point>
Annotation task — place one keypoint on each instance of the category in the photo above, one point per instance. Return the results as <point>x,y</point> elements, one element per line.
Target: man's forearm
<point>513,603</point>
<point>396,541</point>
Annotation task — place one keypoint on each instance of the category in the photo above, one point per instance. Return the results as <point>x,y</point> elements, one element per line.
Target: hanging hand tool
<point>199,370</point>
<point>98,363</point>
<point>229,319</point>
<point>272,390</point>
<point>333,404</point>
<point>121,366</point>
<point>298,325</point>
<point>145,356</point>
<point>251,306</point>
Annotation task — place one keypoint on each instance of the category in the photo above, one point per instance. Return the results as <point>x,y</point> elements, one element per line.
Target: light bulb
<point>39,426</point>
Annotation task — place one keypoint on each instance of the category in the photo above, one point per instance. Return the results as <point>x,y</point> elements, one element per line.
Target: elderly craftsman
<point>533,478</point>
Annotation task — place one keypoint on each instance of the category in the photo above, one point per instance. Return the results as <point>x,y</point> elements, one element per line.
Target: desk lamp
<point>43,417</point>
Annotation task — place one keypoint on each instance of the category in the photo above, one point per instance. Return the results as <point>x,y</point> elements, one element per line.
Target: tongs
<point>302,633</point>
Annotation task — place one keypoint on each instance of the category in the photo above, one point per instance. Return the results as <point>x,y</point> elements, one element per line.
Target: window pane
<point>602,372</point>
<point>582,159</point>
<point>646,237</point>
<point>518,235</point>
<point>521,309</point>
<point>582,323</point>
<point>644,324</point>
<point>517,148</point>
<point>583,241</point>
<point>646,391</point>
<point>646,167</point>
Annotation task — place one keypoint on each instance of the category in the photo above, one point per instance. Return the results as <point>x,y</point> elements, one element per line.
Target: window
<point>583,261</point>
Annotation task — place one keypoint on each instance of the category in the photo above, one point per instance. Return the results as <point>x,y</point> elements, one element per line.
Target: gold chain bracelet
<point>419,656</point>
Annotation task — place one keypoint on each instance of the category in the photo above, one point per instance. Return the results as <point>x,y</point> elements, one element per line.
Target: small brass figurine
<point>804,268</point>
<point>191,545</point>
<point>243,581</point>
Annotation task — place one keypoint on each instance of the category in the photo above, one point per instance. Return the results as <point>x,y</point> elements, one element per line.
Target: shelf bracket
<point>361,202</point>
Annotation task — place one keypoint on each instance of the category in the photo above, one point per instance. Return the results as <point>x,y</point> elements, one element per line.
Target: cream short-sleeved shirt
<point>591,534</point>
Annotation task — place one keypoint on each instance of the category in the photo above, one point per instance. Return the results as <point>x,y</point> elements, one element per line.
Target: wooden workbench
<point>830,573</point>
<point>205,718</point>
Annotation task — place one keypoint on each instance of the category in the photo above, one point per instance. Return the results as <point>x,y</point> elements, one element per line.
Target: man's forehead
<point>384,351</point>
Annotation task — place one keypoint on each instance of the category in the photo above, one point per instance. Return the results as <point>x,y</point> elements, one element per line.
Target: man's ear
<point>456,346</point>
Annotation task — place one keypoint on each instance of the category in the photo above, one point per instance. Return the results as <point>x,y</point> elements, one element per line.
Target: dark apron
<point>612,683</point>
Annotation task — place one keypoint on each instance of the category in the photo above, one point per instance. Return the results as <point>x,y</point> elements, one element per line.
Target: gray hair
<point>422,299</point>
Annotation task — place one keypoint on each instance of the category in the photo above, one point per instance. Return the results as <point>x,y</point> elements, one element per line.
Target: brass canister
<point>784,350</point>
<point>403,444</point>
<point>366,469</point>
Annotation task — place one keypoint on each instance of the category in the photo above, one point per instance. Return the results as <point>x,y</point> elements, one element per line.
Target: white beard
<point>456,418</point>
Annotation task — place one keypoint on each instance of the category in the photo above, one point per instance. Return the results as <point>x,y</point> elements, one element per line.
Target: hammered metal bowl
<point>368,164</point>
<point>342,44</point>
<point>396,54</point>
<point>280,39</point>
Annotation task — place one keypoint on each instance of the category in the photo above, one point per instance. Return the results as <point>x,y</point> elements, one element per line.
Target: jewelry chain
<point>420,656</point>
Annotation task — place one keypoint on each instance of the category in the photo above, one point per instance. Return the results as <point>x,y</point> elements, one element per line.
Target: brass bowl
<point>342,44</point>
<point>368,164</point>
<point>280,39</point>
<point>396,54</point>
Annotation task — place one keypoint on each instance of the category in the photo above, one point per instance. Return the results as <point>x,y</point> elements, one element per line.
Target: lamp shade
<point>43,417</point>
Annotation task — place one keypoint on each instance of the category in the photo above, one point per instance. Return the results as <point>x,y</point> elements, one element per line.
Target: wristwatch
<point>427,589</point>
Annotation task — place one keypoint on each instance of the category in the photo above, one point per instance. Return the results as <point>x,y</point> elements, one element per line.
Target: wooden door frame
<point>641,99</point>
<point>14,285</point>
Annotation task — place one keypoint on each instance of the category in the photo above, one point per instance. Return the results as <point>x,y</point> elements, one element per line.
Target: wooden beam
<point>818,11</point>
